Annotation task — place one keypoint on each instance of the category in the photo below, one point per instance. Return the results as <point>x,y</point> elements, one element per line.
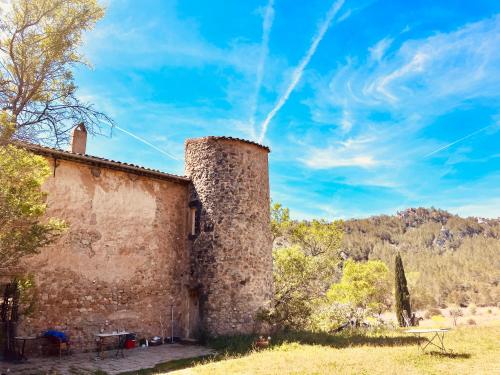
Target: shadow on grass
<point>238,345</point>
<point>231,346</point>
<point>449,355</point>
<point>177,364</point>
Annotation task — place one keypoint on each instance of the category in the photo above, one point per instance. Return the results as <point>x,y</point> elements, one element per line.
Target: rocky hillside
<point>448,259</point>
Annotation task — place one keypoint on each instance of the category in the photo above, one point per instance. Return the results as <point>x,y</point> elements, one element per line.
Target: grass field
<point>474,350</point>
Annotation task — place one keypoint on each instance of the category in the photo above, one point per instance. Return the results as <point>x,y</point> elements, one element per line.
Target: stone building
<point>146,248</point>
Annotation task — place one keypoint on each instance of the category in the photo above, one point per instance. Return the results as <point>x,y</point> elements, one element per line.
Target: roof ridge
<point>90,159</point>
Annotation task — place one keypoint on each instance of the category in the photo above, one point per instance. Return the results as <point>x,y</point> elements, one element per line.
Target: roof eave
<point>105,163</point>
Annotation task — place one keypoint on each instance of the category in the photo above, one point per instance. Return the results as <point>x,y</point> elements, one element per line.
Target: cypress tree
<point>402,293</point>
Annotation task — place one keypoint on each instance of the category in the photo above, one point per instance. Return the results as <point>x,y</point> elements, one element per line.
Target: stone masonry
<point>141,243</point>
<point>231,252</point>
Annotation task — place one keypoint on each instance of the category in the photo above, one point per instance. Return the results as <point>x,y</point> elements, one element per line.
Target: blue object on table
<point>56,334</point>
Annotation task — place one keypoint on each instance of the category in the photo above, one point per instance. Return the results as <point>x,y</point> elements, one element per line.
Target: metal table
<point>20,352</point>
<point>120,344</point>
<point>437,338</point>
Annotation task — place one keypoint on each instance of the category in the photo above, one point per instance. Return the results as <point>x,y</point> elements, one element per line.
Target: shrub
<point>364,285</point>
<point>330,316</point>
<point>471,322</point>
<point>432,312</point>
<point>472,309</point>
<point>455,313</point>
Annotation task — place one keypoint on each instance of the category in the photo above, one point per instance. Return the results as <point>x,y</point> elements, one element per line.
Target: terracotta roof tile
<point>107,163</point>
<point>232,139</point>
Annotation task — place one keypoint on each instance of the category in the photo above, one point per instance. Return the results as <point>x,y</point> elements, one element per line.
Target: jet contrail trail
<point>146,142</point>
<point>457,141</point>
<point>264,50</point>
<point>297,73</point>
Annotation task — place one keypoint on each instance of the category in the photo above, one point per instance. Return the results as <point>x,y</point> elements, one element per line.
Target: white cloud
<point>381,84</point>
<point>349,153</point>
<point>346,122</point>
<point>164,40</point>
<point>410,87</point>
<point>486,208</point>
<point>267,24</point>
<point>378,51</point>
<point>427,76</point>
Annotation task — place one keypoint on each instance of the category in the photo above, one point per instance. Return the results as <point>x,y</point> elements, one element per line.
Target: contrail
<point>297,74</point>
<point>264,50</point>
<point>457,141</point>
<point>146,143</point>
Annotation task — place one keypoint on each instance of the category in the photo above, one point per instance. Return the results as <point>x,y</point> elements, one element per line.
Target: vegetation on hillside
<point>448,259</point>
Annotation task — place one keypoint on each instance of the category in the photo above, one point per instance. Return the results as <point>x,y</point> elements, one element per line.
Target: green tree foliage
<point>295,293</point>
<point>328,316</point>
<point>23,229</point>
<point>363,291</point>
<point>402,295</point>
<point>39,45</point>
<point>364,285</point>
<point>306,258</point>
<point>280,220</point>
<point>318,237</point>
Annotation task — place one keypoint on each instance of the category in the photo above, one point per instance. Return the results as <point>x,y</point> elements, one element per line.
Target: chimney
<point>79,139</point>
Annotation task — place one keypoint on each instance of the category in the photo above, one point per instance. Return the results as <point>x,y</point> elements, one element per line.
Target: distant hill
<point>447,258</point>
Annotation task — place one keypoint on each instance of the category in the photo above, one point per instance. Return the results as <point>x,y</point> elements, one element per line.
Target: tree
<point>294,273</point>
<point>364,285</point>
<point>280,220</point>
<point>455,312</point>
<point>304,268</point>
<point>39,42</point>
<point>402,295</point>
<point>23,230</point>
<point>319,237</point>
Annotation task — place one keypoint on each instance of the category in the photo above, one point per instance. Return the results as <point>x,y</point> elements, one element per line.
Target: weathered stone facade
<point>129,256</point>
<point>232,255</point>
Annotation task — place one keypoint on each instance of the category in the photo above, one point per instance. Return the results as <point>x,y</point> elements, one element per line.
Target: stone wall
<point>124,260</point>
<point>232,249</point>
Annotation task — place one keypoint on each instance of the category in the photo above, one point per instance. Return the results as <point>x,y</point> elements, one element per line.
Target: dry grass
<point>475,350</point>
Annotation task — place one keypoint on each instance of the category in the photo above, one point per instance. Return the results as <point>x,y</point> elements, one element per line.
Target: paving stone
<point>135,359</point>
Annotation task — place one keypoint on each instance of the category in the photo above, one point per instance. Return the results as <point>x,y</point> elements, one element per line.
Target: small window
<point>192,221</point>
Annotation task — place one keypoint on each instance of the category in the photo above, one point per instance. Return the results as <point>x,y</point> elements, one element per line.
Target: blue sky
<point>362,102</point>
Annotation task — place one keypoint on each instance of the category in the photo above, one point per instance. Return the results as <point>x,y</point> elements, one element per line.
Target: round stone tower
<point>231,233</point>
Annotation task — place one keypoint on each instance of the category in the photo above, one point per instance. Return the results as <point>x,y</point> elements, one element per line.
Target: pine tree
<point>402,294</point>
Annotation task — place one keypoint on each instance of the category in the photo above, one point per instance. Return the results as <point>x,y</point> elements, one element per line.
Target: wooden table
<point>20,353</point>
<point>436,340</point>
<point>120,343</point>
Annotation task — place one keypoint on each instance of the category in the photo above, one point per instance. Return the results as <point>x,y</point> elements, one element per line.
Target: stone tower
<point>231,234</point>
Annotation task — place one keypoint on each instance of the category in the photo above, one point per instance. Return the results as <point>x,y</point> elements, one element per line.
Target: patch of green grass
<point>473,350</point>
<point>238,345</point>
